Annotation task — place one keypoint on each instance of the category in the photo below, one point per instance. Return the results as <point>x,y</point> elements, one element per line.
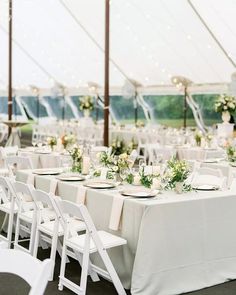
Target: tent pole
<point>38,108</point>
<point>185,107</point>
<point>10,64</point>
<point>135,109</point>
<point>106,84</point>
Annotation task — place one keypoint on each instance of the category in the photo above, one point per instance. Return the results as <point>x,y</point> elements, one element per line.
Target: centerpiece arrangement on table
<point>86,105</point>
<point>52,142</point>
<point>203,140</point>
<point>226,106</point>
<point>67,141</point>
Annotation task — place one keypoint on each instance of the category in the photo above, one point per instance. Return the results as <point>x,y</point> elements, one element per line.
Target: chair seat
<point>6,207</point>
<point>27,216</point>
<point>108,241</point>
<point>47,227</point>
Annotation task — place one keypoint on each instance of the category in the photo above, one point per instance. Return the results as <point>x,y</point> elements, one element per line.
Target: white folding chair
<point>48,228</point>
<point>4,152</point>
<point>142,143</point>
<point>14,163</point>
<point>76,225</point>
<point>26,215</point>
<point>7,206</point>
<point>91,242</point>
<point>35,272</point>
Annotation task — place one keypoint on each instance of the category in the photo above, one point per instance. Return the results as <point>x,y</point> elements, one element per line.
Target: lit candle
<point>136,180</point>
<point>156,183</point>
<point>85,165</point>
<point>156,169</point>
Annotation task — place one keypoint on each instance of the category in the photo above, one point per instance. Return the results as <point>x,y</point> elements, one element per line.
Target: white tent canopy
<point>151,41</point>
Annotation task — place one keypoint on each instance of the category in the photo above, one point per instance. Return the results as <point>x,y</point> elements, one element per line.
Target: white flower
<point>115,168</point>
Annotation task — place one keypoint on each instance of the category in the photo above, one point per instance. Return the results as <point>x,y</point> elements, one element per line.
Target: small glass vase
<point>179,187</point>
<point>86,113</point>
<point>225,117</point>
<point>76,167</point>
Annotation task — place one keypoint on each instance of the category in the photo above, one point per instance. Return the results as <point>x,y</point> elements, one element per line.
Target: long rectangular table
<point>176,243</point>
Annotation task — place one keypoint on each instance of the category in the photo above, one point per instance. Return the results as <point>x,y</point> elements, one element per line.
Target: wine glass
<point>66,163</point>
<point>123,174</point>
<point>34,140</point>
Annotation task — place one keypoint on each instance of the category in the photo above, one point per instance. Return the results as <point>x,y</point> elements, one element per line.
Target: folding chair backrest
<point>41,197</point>
<point>6,191</point>
<point>15,163</point>
<point>24,192</point>
<point>79,211</point>
<point>210,171</point>
<point>35,272</point>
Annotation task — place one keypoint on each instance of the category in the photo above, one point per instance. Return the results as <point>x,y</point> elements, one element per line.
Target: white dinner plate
<point>42,152</point>
<point>211,161</point>
<point>70,177</point>
<point>206,187</point>
<point>140,193</point>
<point>47,171</point>
<point>100,184</point>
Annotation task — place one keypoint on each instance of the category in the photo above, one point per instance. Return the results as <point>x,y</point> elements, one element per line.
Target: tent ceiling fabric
<point>151,41</point>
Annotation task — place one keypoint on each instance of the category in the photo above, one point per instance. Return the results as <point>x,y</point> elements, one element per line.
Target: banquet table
<point>199,154</point>
<point>175,243</point>
<point>43,159</point>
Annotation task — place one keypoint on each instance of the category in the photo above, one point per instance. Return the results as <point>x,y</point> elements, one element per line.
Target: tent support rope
<point>211,33</point>
<point>94,40</point>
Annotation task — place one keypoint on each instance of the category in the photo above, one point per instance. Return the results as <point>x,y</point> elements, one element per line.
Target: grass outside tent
<point>176,123</point>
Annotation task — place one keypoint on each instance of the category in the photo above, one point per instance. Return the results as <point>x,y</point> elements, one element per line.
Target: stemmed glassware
<point>34,140</point>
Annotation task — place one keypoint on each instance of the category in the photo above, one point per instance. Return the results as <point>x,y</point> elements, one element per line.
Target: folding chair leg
<point>17,231</point>
<point>84,274</point>
<point>63,267</point>
<point>91,271</point>
<point>36,244</point>
<point>32,237</point>
<point>112,272</point>
<point>53,254</point>
<point>10,227</point>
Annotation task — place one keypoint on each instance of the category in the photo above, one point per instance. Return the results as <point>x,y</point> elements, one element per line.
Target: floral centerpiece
<point>231,153</point>
<point>140,124</point>
<point>198,138</point>
<point>226,105</point>
<point>131,146</point>
<point>86,105</point>
<point>209,138</point>
<point>106,158</point>
<point>145,178</point>
<point>118,146</point>
<point>52,141</point>
<point>176,175</point>
<point>116,164</point>
<point>67,140</point>
<point>77,156</point>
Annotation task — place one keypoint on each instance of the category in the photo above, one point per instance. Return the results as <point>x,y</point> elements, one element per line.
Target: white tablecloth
<point>50,160</point>
<point>176,243</point>
<point>199,154</point>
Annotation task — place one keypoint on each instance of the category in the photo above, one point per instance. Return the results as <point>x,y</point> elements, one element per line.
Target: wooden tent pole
<point>106,82</point>
<point>10,64</point>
